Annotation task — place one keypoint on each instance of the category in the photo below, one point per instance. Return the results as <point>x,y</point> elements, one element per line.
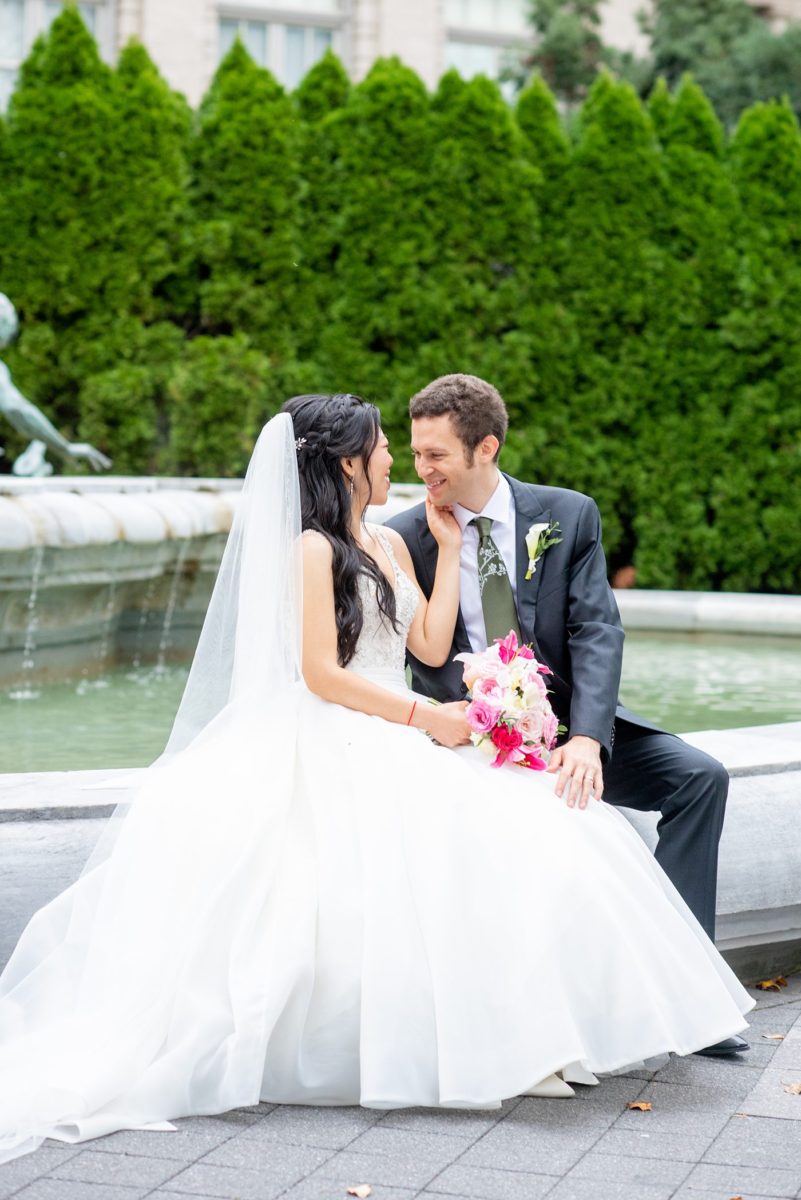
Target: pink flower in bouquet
<point>507,742</point>
<point>534,762</point>
<point>525,652</point>
<point>531,725</point>
<point>488,688</point>
<point>550,729</point>
<point>481,716</point>
<point>507,647</point>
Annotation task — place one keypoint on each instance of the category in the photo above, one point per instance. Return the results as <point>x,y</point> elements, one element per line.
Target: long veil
<point>137,994</point>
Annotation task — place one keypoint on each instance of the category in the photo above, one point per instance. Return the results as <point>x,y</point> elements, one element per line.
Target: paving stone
<point>438,1148</point>
<point>674,1120</point>
<point>656,1143</point>
<point>445,1120</point>
<point>769,1099</point>
<point>61,1189</point>
<point>277,1159</point>
<point>333,1128</point>
<point>758,1142</point>
<point>698,1097</point>
<point>189,1140</point>
<point>203,1180</point>
<point>484,1183</point>
<point>741,1180</point>
<point>788,1052</point>
<point>20,1171</point>
<point>716,1084</point>
<point>323,1189</point>
<point>347,1168</point>
<point>124,1170</point>
<point>608,1189</point>
<point>631,1170</point>
<point>544,1152</point>
<point>567,1114</point>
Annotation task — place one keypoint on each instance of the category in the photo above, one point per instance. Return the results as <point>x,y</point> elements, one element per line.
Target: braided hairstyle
<point>328,429</point>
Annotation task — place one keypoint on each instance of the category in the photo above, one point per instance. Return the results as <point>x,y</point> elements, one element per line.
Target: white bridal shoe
<point>557,1087</point>
<point>552,1088</point>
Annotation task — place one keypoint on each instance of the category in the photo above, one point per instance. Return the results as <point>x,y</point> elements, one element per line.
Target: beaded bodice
<point>381,648</point>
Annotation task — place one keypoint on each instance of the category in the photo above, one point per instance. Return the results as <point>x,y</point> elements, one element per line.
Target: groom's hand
<point>580,772</point>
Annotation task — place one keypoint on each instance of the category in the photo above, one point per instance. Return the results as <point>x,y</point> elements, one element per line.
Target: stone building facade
<point>187,37</point>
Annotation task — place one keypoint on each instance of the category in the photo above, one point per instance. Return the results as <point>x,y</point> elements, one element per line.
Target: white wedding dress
<point>308,905</point>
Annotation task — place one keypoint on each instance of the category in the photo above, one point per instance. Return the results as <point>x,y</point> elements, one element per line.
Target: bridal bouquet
<point>509,711</point>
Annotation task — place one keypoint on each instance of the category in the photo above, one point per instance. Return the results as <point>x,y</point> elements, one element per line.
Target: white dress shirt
<point>501,508</point>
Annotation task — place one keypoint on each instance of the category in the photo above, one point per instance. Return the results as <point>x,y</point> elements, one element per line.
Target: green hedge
<point>632,283</point>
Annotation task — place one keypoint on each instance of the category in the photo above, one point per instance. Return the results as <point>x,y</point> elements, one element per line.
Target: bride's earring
<point>352,486</point>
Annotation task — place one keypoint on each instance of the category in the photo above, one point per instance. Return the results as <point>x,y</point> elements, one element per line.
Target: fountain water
<point>25,690</point>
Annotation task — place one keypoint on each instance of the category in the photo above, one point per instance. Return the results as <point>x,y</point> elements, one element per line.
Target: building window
<point>485,36</point>
<point>21,22</point>
<point>493,16</point>
<point>287,47</point>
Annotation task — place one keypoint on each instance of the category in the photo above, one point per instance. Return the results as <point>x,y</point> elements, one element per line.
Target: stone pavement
<point>717,1130</point>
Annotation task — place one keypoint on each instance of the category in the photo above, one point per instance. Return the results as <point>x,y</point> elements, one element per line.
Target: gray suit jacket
<point>567,611</point>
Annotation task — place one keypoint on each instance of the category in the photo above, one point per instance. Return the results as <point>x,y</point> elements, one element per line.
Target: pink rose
<point>490,690</point>
<point>531,725</point>
<point>507,742</point>
<point>481,716</point>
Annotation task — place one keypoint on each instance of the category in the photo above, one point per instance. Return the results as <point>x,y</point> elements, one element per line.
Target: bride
<point>309,901</point>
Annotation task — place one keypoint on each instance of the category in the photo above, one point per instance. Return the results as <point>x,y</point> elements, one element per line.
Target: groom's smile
<point>453,472</point>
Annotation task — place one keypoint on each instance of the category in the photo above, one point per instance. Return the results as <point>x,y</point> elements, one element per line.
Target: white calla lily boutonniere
<point>538,539</point>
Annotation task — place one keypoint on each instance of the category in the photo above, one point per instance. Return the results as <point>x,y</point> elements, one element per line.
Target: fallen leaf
<point>361,1191</point>
<point>774,1037</point>
<point>640,1105</point>
<point>735,1198</point>
<point>793,1089</point>
<point>772,985</point>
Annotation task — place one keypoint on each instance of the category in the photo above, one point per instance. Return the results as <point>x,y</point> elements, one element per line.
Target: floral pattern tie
<point>497,597</point>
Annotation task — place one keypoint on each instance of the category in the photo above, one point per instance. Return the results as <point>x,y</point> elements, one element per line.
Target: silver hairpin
<point>300,443</point>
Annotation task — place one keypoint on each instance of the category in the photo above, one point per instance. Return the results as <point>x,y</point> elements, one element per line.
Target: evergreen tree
<point>546,143</point>
<point>220,395</point>
<point>321,99</point>
<point>323,89</point>
<point>490,316</point>
<point>690,360</point>
<point>382,308</point>
<point>756,494</point>
<point>614,281</point>
<point>695,35</point>
<point>660,104</point>
<point>245,189</point>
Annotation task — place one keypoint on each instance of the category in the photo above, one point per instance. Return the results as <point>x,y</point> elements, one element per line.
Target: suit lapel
<point>528,511</point>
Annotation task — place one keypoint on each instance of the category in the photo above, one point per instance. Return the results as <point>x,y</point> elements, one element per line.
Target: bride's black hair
<point>328,429</point>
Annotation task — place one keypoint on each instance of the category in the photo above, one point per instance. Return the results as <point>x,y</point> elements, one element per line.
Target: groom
<point>554,592</point>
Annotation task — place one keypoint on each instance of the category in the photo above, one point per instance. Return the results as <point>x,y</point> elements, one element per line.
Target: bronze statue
<point>28,420</point>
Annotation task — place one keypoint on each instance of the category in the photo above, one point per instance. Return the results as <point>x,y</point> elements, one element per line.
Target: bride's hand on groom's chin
<point>444,527</point>
<point>580,772</point>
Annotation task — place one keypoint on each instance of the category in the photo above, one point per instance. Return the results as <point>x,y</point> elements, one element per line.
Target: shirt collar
<point>498,507</point>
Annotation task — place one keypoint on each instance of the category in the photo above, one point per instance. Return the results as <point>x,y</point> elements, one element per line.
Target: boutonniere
<point>538,539</point>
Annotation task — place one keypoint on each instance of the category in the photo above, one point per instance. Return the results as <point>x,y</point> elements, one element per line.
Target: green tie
<point>497,598</point>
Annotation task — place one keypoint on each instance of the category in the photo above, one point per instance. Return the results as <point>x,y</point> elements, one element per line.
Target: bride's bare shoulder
<point>316,547</point>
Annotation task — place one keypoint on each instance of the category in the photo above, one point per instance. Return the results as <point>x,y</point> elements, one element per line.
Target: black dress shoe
<point>725,1049</point>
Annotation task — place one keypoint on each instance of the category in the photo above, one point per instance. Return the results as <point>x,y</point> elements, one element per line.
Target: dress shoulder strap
<point>380,534</point>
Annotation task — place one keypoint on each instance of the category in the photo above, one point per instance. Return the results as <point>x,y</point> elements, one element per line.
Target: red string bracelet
<point>411,714</point>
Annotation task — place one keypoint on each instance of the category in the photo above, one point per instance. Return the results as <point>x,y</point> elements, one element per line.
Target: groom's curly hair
<point>474,406</point>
